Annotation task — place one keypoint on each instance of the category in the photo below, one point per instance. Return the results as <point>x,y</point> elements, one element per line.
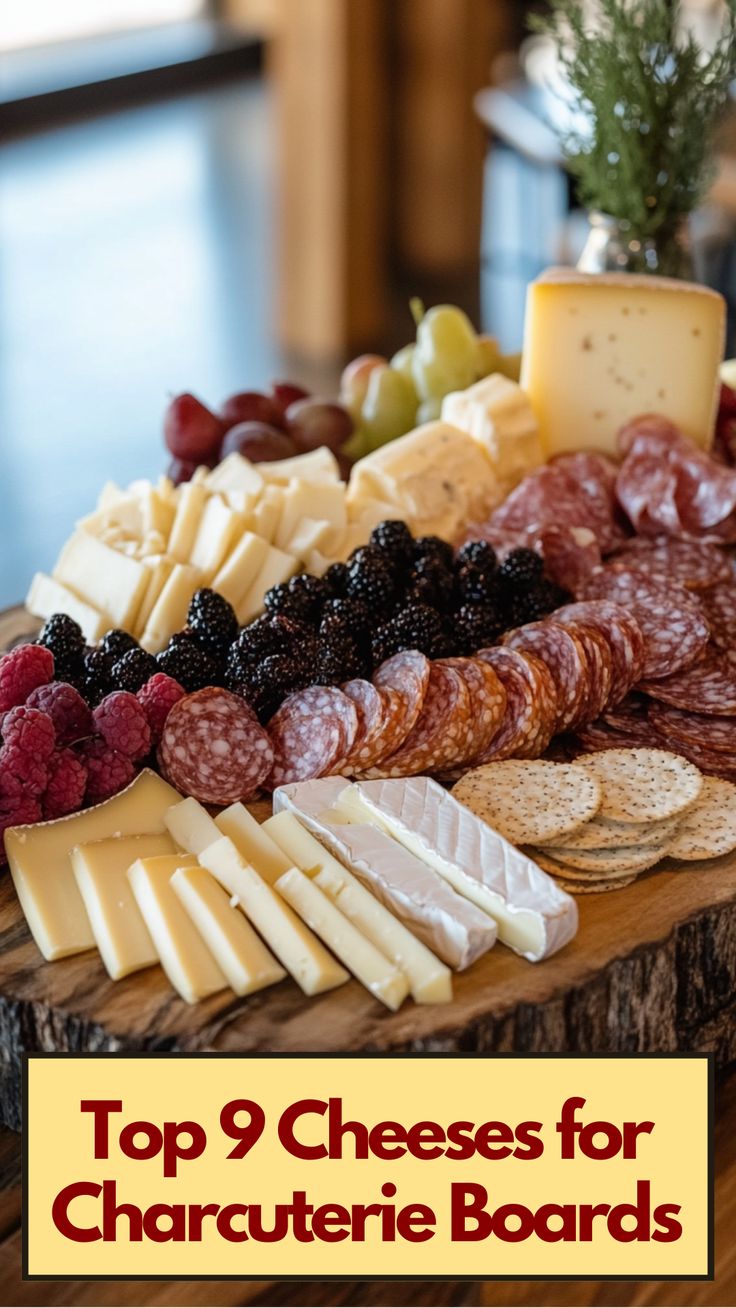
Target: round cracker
<point>593,887</point>
<point>530,803</point>
<point>556,868</point>
<point>606,833</point>
<point>634,858</point>
<point>643,785</point>
<point>708,829</point>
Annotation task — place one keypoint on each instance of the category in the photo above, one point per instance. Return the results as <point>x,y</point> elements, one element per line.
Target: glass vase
<point>613,246</point>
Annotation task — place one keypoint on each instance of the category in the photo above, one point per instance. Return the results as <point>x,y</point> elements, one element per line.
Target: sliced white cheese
<point>318,465</point>
<point>367,963</point>
<point>277,567</point>
<point>253,842</point>
<point>448,924</point>
<point>317,563</point>
<point>235,474</point>
<point>103,577</point>
<point>497,413</point>
<point>304,499</point>
<point>160,569</point>
<point>185,958</point>
<point>158,513</point>
<point>241,954</point>
<point>47,596</point>
<point>169,613</point>
<point>535,917</point>
<point>218,530</point>
<point>101,873</point>
<point>291,941</point>
<point>190,506</point>
<point>191,826</point>
<point>308,536</point>
<point>240,569</point>
<point>264,517</point>
<point>126,514</point>
<point>429,979</point>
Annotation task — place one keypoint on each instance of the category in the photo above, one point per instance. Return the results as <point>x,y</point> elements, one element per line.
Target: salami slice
<point>709,761</point>
<point>518,732</point>
<point>719,608</point>
<point>596,736</point>
<point>630,715</point>
<point>312,734</point>
<point>709,687</point>
<point>696,565</point>
<point>440,733</point>
<point>214,748</point>
<point>666,484</point>
<point>487,705</point>
<point>675,632</point>
<point>564,655</point>
<point>698,729</point>
<point>387,733</point>
<point>624,636</point>
<point>407,673</point>
<point>369,706</point>
<point>600,667</point>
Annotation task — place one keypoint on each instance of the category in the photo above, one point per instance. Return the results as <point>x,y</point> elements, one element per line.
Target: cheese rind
<point>535,917</point>
<point>367,964</point>
<point>447,923</point>
<point>239,953</point>
<point>40,860</point>
<point>600,349</point>
<point>101,872</point>
<point>185,958</point>
<point>429,979</point>
<point>291,941</point>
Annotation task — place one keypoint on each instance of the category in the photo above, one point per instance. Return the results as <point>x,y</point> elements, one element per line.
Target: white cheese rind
<point>448,924</point>
<point>535,917</point>
<point>239,953</point>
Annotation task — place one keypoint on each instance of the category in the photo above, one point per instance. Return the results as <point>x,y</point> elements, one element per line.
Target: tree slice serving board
<point>652,968</point>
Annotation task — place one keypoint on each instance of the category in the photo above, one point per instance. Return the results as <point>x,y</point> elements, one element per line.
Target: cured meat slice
<point>624,636</point>
<point>530,712</point>
<point>388,733</point>
<point>709,761</point>
<point>599,735</point>
<point>570,555</point>
<point>370,708</point>
<point>487,705</point>
<point>408,674</point>
<point>600,667</point>
<point>440,733</point>
<point>709,687</point>
<point>573,491</point>
<point>698,729</point>
<point>312,734</point>
<point>596,475</point>
<point>696,565</point>
<point>666,484</point>
<point>564,655</point>
<point>214,748</point>
<point>629,715</point>
<point>675,632</point>
<point>719,607</point>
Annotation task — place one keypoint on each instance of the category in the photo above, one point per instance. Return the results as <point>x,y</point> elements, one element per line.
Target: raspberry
<point>16,812</point>
<point>66,785</point>
<point>28,743</point>
<point>123,725</point>
<point>66,708</point>
<point>21,670</point>
<point>157,698</point>
<point>107,770</point>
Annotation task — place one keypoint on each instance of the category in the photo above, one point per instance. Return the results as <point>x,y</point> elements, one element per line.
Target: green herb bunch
<point>652,97</point>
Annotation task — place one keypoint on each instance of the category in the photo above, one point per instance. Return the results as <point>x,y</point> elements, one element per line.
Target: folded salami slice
<point>709,687</point>
<point>531,705</point>
<point>214,749</point>
<point>564,655</point>
<point>624,637</point>
<point>487,705</point>
<point>440,733</point>
<point>667,484</point>
<point>699,729</point>
<point>675,632</point>
<point>312,734</point>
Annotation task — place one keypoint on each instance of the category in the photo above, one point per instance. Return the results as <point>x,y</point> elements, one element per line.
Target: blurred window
<point>25,23</point>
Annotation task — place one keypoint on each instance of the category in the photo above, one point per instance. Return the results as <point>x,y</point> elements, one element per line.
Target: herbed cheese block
<point>41,867</point>
<point>437,478</point>
<point>497,413</point>
<point>101,872</point>
<point>239,953</point>
<point>600,349</point>
<point>188,963</point>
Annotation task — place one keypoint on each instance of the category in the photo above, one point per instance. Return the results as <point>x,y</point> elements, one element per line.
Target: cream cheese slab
<point>101,873</point>
<point>185,958</point>
<point>41,867</point>
<point>46,596</point>
<point>535,918</point>
<point>430,980</point>
<point>239,953</point>
<point>291,941</point>
<point>446,922</point>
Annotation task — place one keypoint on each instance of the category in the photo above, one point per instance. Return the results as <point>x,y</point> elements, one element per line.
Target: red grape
<point>251,406</point>
<point>258,442</point>
<point>313,423</point>
<point>191,430</point>
<point>286,393</point>
<point>180,470</point>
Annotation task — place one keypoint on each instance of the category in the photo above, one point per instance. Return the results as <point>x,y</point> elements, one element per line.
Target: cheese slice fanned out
<point>535,918</point>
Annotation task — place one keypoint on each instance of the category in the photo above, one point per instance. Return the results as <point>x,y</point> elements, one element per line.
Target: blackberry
<point>212,621</point>
<point>395,541</point>
<point>237,669</point>
<point>63,636</point>
<point>96,680</point>
<point>522,567</point>
<point>433,547</point>
<point>430,582</point>
<point>117,642</point>
<point>479,554</point>
<point>352,613</point>
<point>417,627</point>
<point>310,593</point>
<point>336,579</point>
<point>338,658</point>
<point>280,600</point>
<point>133,670</point>
<point>188,664</point>
<point>272,680</point>
<point>261,637</point>
<point>475,626</point>
<point>370,579</point>
<point>475,587</point>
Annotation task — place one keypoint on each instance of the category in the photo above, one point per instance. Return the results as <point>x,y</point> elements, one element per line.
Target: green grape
<point>428,411</point>
<point>357,446</point>
<point>489,356</point>
<point>389,407</point>
<point>403,362</point>
<point>446,355</point>
<point>354,382</point>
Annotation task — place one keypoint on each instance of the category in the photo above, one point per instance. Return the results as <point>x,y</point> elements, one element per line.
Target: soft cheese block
<point>448,923</point>
<point>600,349</point>
<point>437,478</point>
<point>497,413</point>
<point>41,867</point>
<point>185,958</point>
<point>535,917</point>
<point>238,951</point>
<point>101,872</point>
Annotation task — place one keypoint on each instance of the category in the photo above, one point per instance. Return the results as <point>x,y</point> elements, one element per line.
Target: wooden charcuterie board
<point>653,968</point>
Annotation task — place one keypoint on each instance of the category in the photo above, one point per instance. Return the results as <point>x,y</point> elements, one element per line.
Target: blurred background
<point>205,195</point>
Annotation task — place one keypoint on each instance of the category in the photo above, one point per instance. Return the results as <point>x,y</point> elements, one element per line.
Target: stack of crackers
<point>598,823</point>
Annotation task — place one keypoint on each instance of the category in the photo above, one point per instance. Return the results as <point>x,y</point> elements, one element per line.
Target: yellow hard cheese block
<point>437,478</point>
<point>497,413</point>
<point>429,979</point>
<point>238,951</point>
<point>101,872</point>
<point>41,867</point>
<point>253,842</point>
<point>185,958</point>
<point>599,350</point>
<point>293,944</point>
